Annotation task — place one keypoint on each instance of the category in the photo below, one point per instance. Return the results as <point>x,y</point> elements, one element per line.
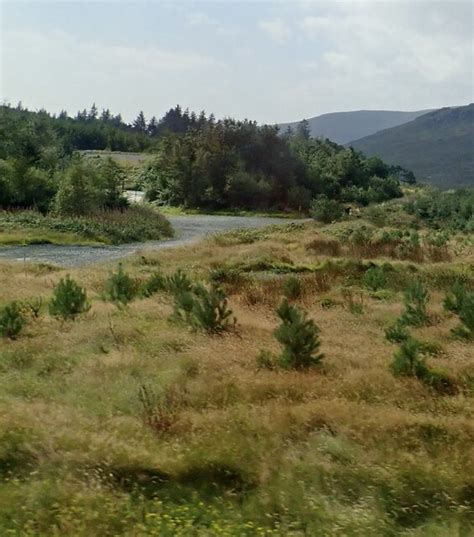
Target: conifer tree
<point>140,122</point>
<point>69,299</point>
<point>299,337</point>
<point>11,320</point>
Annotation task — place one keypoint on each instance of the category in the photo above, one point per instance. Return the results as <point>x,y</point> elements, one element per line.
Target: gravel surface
<point>187,229</point>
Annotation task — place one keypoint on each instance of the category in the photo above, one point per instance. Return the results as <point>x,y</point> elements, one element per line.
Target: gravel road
<point>187,229</point>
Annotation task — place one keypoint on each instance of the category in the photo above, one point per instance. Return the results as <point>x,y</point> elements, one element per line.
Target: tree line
<point>199,162</point>
<point>238,164</point>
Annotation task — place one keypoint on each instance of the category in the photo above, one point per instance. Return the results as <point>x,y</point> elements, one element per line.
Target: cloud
<point>311,23</point>
<point>58,68</point>
<point>332,56</point>
<point>277,29</point>
<point>387,55</point>
<point>199,19</point>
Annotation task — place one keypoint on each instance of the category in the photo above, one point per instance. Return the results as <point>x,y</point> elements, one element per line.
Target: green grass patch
<point>135,224</point>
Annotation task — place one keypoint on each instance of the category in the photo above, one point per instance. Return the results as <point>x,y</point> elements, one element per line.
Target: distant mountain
<point>343,127</point>
<point>438,147</point>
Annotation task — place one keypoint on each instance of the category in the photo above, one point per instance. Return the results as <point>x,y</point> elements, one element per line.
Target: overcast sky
<point>269,61</point>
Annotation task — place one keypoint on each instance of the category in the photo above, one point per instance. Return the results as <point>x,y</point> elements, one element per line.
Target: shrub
<point>120,288</point>
<point>323,246</point>
<point>77,193</point>
<point>408,362</point>
<point>231,278</point>
<point>299,337</point>
<point>397,333</point>
<point>326,210</point>
<point>137,223</point>
<point>454,298</point>
<point>353,302</point>
<point>179,281</point>
<point>266,360</point>
<point>156,282</point>
<point>375,278</point>
<point>210,309</point>
<point>466,315</point>
<point>441,382</point>
<point>33,307</point>
<point>69,300</point>
<point>201,308</point>
<point>416,300</point>
<point>11,320</point>
<point>292,288</point>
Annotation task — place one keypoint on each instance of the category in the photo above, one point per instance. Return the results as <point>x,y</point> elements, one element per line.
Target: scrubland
<point>124,423</point>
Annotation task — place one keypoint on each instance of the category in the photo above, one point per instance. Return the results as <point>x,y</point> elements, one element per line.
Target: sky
<point>268,61</point>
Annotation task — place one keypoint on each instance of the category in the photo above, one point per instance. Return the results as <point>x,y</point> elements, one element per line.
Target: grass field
<point>122,423</point>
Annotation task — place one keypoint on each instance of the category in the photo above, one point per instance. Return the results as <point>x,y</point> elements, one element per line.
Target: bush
<point>354,302</point>
<point>77,193</point>
<point>267,360</point>
<point>299,337</point>
<point>138,223</point>
<point>156,282</point>
<point>326,210</point>
<point>200,307</point>
<point>292,288</point>
<point>375,278</point>
<point>210,311</point>
<point>397,333</point>
<point>120,288</point>
<point>11,320</point>
<point>408,362</point>
<point>466,315</point>
<point>33,307</point>
<point>179,281</point>
<point>416,300</point>
<point>454,298</point>
<point>69,300</point>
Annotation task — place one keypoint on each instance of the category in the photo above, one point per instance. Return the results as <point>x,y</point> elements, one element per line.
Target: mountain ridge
<point>437,146</point>
<point>343,127</point>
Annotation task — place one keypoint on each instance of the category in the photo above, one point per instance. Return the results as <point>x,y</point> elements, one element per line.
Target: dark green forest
<point>198,162</point>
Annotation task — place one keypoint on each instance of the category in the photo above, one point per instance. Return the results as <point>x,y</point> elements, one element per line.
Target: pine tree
<point>299,337</point>
<point>76,194</point>
<point>92,114</point>
<point>408,362</point>
<point>303,130</point>
<point>416,301</point>
<point>455,297</point>
<point>153,126</point>
<point>105,116</point>
<point>11,321</point>
<point>120,288</point>
<point>69,299</point>
<point>140,122</point>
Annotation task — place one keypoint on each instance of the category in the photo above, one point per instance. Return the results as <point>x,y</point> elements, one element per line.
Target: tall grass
<point>124,424</point>
<point>137,223</point>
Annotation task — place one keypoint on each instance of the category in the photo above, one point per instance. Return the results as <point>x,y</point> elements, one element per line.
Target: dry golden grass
<point>346,449</point>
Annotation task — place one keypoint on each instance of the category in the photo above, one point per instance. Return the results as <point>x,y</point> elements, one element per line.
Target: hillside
<point>130,421</point>
<point>343,127</point>
<point>438,147</point>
